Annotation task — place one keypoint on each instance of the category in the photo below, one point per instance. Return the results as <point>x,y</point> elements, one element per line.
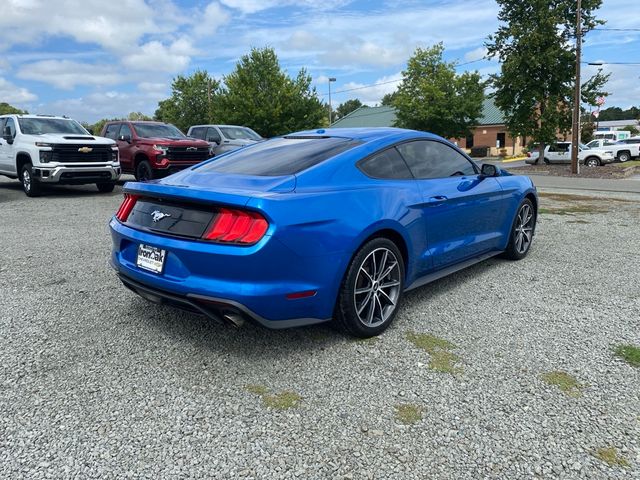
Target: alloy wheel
<point>592,162</point>
<point>524,228</point>
<point>26,180</point>
<point>377,287</point>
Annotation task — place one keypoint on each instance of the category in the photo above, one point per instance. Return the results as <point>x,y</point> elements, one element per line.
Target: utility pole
<point>575,166</point>
<point>331,79</point>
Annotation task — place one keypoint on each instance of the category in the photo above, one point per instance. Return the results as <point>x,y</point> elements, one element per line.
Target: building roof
<point>385,116</point>
<point>616,123</point>
<point>368,117</point>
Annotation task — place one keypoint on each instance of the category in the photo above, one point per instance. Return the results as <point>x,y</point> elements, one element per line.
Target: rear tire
<point>521,236</point>
<point>144,172</point>
<point>371,290</point>
<point>30,185</point>
<point>624,157</point>
<point>105,187</point>
<point>592,162</point>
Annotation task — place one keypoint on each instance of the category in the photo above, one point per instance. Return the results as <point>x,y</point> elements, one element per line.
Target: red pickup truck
<point>153,149</point>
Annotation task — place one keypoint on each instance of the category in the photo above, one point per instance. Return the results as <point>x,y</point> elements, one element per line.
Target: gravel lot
<point>96,382</point>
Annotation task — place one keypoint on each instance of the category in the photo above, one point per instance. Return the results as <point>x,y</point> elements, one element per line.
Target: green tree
<point>192,101</point>
<point>260,95</point>
<point>138,116</point>
<point>347,107</point>
<point>5,109</point>
<point>388,99</point>
<point>432,97</point>
<point>535,44</point>
<point>633,129</point>
<point>586,131</point>
<point>616,113</point>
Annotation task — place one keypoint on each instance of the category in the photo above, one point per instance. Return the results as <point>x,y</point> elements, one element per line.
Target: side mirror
<point>125,138</point>
<point>488,170</point>
<point>212,140</point>
<point>8,137</point>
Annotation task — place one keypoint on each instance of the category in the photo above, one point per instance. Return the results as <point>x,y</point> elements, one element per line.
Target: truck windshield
<point>41,126</point>
<point>240,133</point>
<point>158,130</point>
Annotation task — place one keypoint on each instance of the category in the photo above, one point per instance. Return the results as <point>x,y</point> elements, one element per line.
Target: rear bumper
<point>64,174</point>
<point>250,282</point>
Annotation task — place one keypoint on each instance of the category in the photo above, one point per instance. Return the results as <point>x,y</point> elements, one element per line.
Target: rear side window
<point>386,164</point>
<point>112,130</point>
<point>125,130</point>
<point>213,135</point>
<point>280,156</point>
<point>198,132</point>
<point>431,159</point>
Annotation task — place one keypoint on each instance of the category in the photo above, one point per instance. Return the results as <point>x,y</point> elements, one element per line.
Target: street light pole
<point>331,79</point>
<point>575,168</point>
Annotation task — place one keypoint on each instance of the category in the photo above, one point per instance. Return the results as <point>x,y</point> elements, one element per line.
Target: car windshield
<point>240,133</point>
<point>584,147</point>
<point>158,130</point>
<point>280,156</point>
<point>41,126</point>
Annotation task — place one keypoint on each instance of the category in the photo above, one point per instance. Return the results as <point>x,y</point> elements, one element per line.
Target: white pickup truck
<point>42,149</point>
<point>622,151</point>
<point>560,152</point>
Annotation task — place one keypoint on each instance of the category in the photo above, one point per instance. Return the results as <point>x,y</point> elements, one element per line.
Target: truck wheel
<point>105,187</point>
<point>30,185</point>
<point>592,162</point>
<point>144,172</point>
<point>546,161</point>
<point>624,157</point>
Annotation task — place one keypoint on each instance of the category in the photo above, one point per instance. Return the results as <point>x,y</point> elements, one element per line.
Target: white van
<point>614,135</point>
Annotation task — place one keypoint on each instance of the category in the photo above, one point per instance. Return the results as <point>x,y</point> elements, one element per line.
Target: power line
<point>617,29</point>
<point>598,64</point>
<point>388,81</point>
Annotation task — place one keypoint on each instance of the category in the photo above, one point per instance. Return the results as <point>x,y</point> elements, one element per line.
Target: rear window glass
<point>280,156</point>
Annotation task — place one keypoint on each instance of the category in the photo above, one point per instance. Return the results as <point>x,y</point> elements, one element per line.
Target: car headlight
<point>114,153</point>
<point>161,148</point>
<point>43,144</point>
<point>45,156</point>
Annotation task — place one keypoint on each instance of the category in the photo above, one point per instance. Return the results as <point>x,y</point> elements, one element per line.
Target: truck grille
<point>73,153</point>
<point>188,154</point>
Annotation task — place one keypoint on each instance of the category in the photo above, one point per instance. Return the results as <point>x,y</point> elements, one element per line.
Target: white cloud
<point>155,57</point>
<point>13,94</point>
<point>370,94</point>
<point>253,6</point>
<point>67,74</point>
<point>624,84</point>
<point>475,54</point>
<point>211,19</point>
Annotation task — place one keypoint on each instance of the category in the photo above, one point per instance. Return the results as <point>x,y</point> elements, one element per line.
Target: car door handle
<point>437,199</point>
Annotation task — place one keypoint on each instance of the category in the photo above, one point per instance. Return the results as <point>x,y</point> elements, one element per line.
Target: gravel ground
<point>98,383</point>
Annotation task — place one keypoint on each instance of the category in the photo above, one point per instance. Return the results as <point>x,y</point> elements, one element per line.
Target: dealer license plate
<point>151,258</point>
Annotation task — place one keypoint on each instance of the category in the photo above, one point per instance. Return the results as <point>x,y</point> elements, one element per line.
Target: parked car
<point>224,138</point>
<point>622,151</point>
<point>631,141</point>
<point>560,152</point>
<point>45,149</point>
<point>153,149</point>
<point>333,223</point>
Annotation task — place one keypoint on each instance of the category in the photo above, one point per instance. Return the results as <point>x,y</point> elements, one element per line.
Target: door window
<point>198,132</point>
<point>386,164</point>
<point>11,125</point>
<point>213,136</point>
<point>431,159</point>
<point>125,130</point>
<point>502,140</point>
<point>112,131</point>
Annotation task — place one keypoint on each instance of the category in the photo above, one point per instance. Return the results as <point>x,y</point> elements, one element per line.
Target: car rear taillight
<point>529,154</point>
<point>236,226</point>
<point>127,205</point>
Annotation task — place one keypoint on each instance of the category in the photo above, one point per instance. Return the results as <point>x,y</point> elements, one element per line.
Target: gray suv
<point>224,138</point>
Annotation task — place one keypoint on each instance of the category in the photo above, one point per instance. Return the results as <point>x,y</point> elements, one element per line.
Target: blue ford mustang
<point>318,225</point>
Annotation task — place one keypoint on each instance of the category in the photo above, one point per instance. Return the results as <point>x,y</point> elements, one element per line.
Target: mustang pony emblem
<point>157,215</point>
<point>85,149</point>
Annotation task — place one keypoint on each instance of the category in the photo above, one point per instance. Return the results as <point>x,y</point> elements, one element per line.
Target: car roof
<point>219,125</point>
<point>365,134</point>
<point>32,115</point>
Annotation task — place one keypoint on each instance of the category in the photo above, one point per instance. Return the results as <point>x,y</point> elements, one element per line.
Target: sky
<point>95,59</point>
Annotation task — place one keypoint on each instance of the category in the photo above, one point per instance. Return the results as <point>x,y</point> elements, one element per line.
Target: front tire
<point>546,161</point>
<point>592,162</point>
<point>105,187</point>
<point>371,290</point>
<point>144,172</point>
<point>30,185</point>
<point>521,232</point>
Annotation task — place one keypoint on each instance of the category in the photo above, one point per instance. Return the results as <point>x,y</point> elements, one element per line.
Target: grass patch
<point>278,401</point>
<point>441,358</point>
<point>367,341</point>
<point>582,222</point>
<point>629,353</point>
<point>408,414</point>
<point>564,381</point>
<point>611,457</point>
<point>631,163</point>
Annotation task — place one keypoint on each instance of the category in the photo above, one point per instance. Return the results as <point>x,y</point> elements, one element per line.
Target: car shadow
<point>252,341</point>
